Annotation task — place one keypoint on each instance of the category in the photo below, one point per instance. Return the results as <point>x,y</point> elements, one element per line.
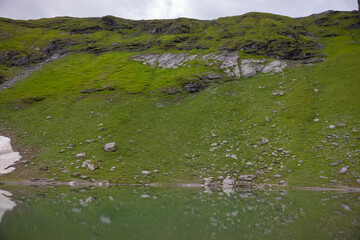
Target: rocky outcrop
<point>227,61</point>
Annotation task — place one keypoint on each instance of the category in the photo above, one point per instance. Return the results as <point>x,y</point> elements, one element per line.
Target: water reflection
<point>175,213</point>
<point>6,204</point>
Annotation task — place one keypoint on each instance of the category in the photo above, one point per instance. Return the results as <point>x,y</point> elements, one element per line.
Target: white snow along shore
<point>6,204</point>
<point>7,156</point>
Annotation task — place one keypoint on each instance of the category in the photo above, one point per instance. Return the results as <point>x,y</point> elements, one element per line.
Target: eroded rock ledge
<point>228,61</point>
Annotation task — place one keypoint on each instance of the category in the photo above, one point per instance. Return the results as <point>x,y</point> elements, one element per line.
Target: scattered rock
<point>90,140</point>
<point>346,207</point>
<point>110,147</point>
<point>233,156</point>
<point>358,181</point>
<point>264,140</point>
<point>277,175</point>
<point>145,173</point>
<point>278,93</point>
<point>105,219</point>
<point>316,120</point>
<point>344,170</point>
<point>80,155</point>
<point>89,164</point>
<point>332,126</point>
<point>48,117</point>
<point>145,195</point>
<point>44,168</point>
<point>75,174</point>
<point>334,164</point>
<point>247,177</point>
<point>340,125</point>
<point>72,183</point>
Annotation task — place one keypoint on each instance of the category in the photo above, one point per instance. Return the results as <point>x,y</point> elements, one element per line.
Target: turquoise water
<point>176,213</point>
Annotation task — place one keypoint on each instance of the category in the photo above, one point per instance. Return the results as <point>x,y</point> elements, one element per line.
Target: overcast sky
<point>165,9</point>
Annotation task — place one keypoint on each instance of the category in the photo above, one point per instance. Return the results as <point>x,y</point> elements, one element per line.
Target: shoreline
<point>265,187</point>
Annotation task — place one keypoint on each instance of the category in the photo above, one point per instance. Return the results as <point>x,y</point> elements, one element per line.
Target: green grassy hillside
<point>98,92</point>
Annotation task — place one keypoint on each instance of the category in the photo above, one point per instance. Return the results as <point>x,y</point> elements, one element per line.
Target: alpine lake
<point>142,212</point>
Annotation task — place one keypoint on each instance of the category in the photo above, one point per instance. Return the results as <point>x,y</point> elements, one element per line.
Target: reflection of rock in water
<point>7,156</point>
<point>5,202</point>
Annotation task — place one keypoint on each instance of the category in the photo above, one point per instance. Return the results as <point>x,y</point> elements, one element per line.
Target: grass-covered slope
<point>229,129</point>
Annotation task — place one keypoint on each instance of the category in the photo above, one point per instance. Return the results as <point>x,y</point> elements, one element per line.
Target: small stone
<point>340,124</point>
<point>344,170</point>
<point>101,129</point>
<point>316,90</point>
<point>72,183</point>
<point>247,177</point>
<point>80,155</point>
<point>282,182</point>
<point>89,164</point>
<point>90,140</point>
<point>144,195</point>
<point>84,177</point>
<point>105,219</point>
<point>145,173</point>
<point>213,135</point>
<point>333,181</point>
<point>264,140</point>
<point>267,119</point>
<point>233,156</point>
<point>277,175</point>
<point>358,181</point>
<point>278,93</point>
<point>75,174</point>
<point>316,120</point>
<point>346,207</point>
<point>110,147</point>
<point>334,164</point>
<point>332,126</point>
<point>48,117</point>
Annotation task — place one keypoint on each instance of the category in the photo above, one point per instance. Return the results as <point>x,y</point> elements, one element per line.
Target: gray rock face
<point>226,60</point>
<point>250,67</point>
<point>167,60</point>
<point>110,147</point>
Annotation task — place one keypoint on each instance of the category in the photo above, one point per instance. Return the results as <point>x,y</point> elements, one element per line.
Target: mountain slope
<point>194,121</point>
